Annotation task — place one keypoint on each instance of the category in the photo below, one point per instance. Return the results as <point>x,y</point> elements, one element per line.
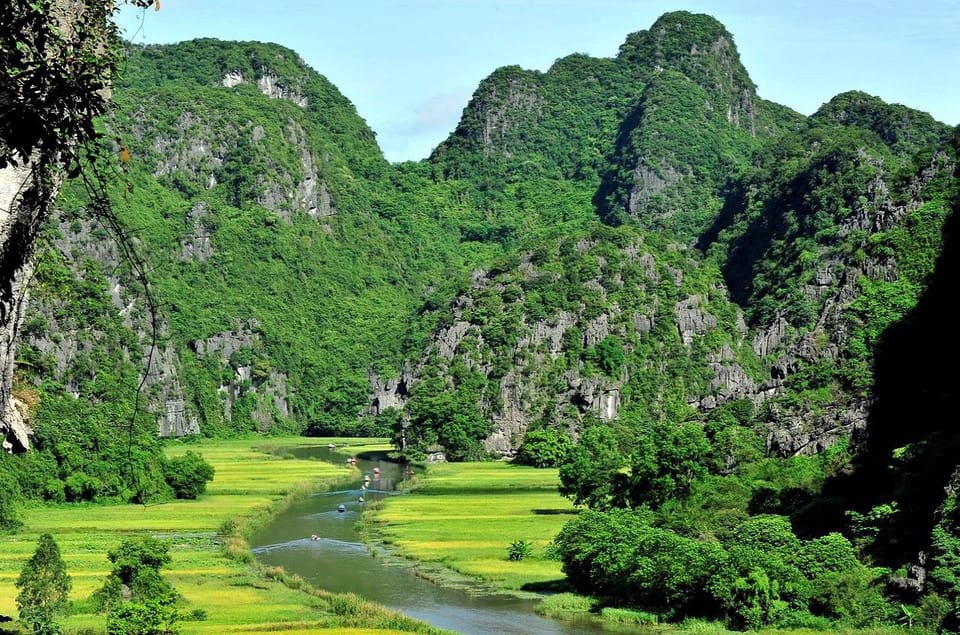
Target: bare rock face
<point>192,150</point>
<point>269,84</point>
<point>730,382</point>
<point>802,434</point>
<point>200,151</point>
<point>20,210</point>
<point>519,97</point>
<point>232,78</point>
<point>512,419</point>
<point>593,394</point>
<point>691,320</point>
<point>275,88</point>
<point>769,338</point>
<point>306,192</point>
<point>648,182</point>
<point>390,393</point>
<point>550,334</point>
<point>173,417</point>
<point>597,329</point>
<point>17,418</point>
<point>642,324</point>
<point>449,338</point>
<point>196,244</point>
<point>501,105</point>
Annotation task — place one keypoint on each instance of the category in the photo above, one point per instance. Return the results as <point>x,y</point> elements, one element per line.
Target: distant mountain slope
<point>663,125</point>
<point>275,71</point>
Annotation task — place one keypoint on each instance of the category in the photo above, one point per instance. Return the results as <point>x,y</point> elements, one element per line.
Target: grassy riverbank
<point>212,566</point>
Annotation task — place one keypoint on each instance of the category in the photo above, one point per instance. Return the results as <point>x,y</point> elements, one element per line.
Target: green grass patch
<point>212,568</point>
<point>629,616</point>
<point>565,605</point>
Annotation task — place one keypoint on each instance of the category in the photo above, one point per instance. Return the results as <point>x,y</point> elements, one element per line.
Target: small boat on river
<point>342,508</point>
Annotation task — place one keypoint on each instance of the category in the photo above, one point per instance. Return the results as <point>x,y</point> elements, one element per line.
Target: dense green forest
<point>719,318</point>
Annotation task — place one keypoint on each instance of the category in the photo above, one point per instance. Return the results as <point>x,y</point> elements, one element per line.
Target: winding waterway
<point>337,560</point>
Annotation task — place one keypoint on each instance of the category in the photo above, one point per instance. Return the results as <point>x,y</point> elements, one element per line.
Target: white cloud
<point>426,125</point>
<point>441,112</point>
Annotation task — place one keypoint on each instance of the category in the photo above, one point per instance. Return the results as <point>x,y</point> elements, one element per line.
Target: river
<point>337,560</point>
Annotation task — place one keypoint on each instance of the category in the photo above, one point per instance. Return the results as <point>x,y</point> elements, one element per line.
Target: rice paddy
<point>466,515</point>
<point>233,593</point>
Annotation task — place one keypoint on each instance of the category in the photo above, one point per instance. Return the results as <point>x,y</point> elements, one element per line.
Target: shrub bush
<point>188,475</point>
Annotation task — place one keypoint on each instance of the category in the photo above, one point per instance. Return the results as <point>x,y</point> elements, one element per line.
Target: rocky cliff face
<point>504,103</point>
<point>699,47</point>
<point>696,121</point>
<point>202,149</point>
<point>620,337</point>
<point>20,211</point>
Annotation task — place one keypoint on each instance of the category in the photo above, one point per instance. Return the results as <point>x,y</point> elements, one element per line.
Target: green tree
<point>188,475</point>
<point>668,459</point>
<point>758,583</point>
<point>136,573</point>
<point>44,586</point>
<point>447,417</point>
<point>9,520</point>
<point>598,551</point>
<point>619,555</point>
<point>544,447</point>
<point>149,617</point>
<point>591,474</point>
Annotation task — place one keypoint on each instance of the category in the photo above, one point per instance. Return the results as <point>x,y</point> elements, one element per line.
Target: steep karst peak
<point>695,44</point>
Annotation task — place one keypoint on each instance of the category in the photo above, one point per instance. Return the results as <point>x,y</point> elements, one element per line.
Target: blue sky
<point>410,66</point>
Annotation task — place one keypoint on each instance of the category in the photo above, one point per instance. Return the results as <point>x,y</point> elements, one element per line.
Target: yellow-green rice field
<point>211,568</point>
<point>466,515</point>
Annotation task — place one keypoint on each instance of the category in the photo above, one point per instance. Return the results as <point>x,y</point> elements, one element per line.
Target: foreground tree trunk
<point>25,194</point>
<point>56,58</point>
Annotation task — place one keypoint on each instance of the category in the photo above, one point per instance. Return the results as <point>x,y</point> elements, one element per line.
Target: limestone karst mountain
<point>613,243</point>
